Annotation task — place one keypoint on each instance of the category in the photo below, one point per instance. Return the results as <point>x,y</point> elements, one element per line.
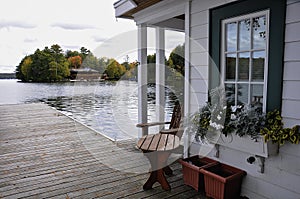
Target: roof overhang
<point>126,8</point>
<point>123,6</point>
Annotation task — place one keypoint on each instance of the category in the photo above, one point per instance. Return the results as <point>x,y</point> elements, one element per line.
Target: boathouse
<point>217,34</point>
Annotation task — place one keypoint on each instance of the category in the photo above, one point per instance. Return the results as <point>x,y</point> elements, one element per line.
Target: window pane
<point>230,93</point>
<point>231,35</point>
<point>242,94</point>
<point>244,34</point>
<point>230,67</point>
<point>243,66</point>
<point>259,32</point>
<point>257,91</point>
<point>258,68</point>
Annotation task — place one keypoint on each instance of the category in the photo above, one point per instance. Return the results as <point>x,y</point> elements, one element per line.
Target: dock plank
<point>45,154</point>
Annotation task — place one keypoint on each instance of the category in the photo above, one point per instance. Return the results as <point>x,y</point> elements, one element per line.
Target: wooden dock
<point>45,154</point>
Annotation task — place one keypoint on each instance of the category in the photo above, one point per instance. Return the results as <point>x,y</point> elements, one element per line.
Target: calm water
<point>108,107</point>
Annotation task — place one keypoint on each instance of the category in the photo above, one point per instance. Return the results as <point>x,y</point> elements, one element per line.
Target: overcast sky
<point>26,25</point>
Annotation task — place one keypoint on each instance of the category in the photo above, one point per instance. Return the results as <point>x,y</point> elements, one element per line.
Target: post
<point>187,75</point>
<point>160,75</point>
<point>142,78</point>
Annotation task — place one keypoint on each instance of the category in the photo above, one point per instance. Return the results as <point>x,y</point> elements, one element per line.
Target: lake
<point>110,108</point>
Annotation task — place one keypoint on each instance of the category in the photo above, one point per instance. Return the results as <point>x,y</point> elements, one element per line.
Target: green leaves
<point>246,121</point>
<point>275,132</point>
<point>44,65</point>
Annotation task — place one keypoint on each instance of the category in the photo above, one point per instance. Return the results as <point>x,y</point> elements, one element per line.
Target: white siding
<point>199,49</point>
<point>282,172</point>
<point>291,76</point>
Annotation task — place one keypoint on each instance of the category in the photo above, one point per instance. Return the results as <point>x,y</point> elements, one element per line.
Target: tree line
<point>52,64</point>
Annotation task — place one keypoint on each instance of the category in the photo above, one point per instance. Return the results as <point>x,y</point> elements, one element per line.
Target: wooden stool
<point>157,148</point>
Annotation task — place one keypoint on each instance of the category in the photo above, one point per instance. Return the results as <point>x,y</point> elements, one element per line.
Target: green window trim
<point>276,42</point>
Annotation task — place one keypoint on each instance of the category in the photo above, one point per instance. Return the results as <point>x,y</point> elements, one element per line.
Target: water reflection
<point>108,107</point>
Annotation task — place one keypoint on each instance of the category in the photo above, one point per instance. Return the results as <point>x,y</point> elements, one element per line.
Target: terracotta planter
<point>191,171</point>
<point>223,181</point>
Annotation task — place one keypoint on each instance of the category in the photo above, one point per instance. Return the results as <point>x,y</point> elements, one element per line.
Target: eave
<point>127,8</point>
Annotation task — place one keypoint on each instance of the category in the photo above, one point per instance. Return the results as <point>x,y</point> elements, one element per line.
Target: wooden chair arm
<point>151,124</point>
<point>171,131</point>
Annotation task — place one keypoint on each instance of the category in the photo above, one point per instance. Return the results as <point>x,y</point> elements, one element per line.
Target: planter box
<point>191,171</point>
<point>223,181</point>
<point>246,144</point>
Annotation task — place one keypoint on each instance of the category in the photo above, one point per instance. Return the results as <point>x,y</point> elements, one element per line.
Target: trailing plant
<point>230,116</point>
<point>246,120</point>
<point>291,135</point>
<point>200,122</point>
<point>216,117</point>
<point>274,131</point>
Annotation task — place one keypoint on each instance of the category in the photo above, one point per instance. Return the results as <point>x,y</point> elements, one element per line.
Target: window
<point>246,43</point>
<point>244,58</point>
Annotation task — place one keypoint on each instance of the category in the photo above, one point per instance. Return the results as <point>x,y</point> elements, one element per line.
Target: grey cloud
<point>15,24</point>
<point>99,39</point>
<point>69,26</point>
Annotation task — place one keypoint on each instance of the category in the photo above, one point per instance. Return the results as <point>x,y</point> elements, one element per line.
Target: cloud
<point>69,26</point>
<point>99,39</point>
<point>70,47</point>
<point>7,69</point>
<point>15,24</point>
<point>30,40</point>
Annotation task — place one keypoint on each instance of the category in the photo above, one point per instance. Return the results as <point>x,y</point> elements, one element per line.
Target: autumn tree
<point>115,70</point>
<point>75,61</point>
<point>131,71</point>
<point>23,70</point>
<point>26,68</point>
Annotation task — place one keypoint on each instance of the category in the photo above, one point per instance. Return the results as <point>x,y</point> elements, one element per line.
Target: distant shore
<point>7,75</point>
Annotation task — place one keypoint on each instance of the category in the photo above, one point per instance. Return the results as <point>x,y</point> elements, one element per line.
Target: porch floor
<point>45,154</point>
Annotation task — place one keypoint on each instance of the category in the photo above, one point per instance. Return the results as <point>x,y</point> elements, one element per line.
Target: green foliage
<point>241,120</point>
<point>275,132</point>
<point>51,64</point>
<point>176,59</point>
<point>131,72</point>
<point>84,52</point>
<point>247,121</point>
<point>70,53</point>
<point>229,126</point>
<point>115,70</point>
<point>151,58</point>
<point>200,122</point>
<point>44,65</point>
<point>244,120</point>
<point>273,127</point>
<point>92,62</point>
<point>26,67</point>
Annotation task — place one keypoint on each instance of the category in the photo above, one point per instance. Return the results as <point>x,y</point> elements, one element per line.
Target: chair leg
<point>168,171</point>
<point>157,176</point>
<point>151,180</point>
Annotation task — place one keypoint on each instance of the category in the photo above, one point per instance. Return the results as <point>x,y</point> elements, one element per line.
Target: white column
<point>187,75</point>
<point>160,75</point>
<point>142,78</point>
